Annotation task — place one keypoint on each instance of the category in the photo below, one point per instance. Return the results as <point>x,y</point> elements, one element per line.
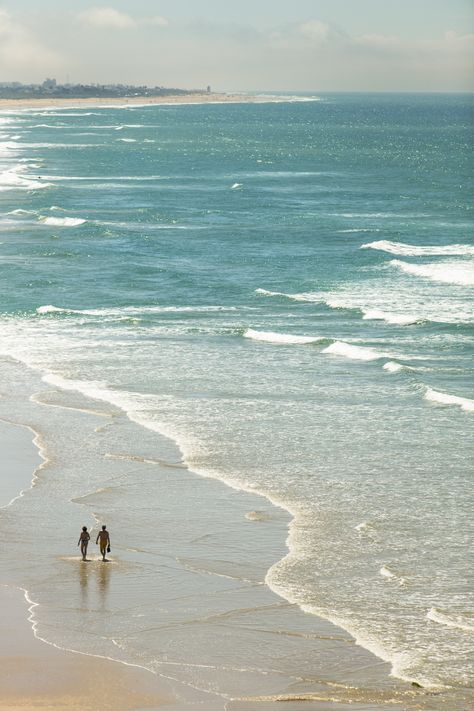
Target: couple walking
<point>102,537</point>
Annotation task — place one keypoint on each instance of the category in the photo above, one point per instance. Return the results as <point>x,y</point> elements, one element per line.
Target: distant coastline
<point>194,98</point>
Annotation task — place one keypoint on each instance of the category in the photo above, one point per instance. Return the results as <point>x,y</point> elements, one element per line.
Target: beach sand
<point>233,645</point>
<point>203,98</point>
<point>35,675</point>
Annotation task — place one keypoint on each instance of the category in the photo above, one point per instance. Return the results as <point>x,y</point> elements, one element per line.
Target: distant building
<point>208,89</point>
<point>49,84</point>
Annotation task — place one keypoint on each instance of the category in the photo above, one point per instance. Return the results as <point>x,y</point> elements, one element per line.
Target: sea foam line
<point>456,621</point>
<point>132,310</point>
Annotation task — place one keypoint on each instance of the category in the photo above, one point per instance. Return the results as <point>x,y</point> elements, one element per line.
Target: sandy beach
<point>227,603</point>
<point>158,375</point>
<point>204,98</point>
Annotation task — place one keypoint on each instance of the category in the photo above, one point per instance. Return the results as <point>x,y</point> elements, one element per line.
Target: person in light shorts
<point>104,539</point>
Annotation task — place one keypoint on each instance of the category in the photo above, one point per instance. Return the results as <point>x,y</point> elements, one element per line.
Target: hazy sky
<point>292,45</point>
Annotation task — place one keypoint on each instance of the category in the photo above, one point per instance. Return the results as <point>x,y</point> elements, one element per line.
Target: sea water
<point>285,291</point>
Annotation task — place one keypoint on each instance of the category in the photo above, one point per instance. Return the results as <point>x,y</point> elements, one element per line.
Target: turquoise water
<point>286,291</point>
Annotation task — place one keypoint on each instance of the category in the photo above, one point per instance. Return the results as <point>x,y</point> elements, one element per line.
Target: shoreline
<point>22,453</point>
<point>340,659</point>
<point>35,673</point>
<point>179,99</point>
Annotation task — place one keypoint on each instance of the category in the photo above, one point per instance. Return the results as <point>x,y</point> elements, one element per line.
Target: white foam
<point>132,310</point>
<point>385,572</point>
<point>62,221</point>
<point>447,272</point>
<point>348,350</point>
<point>362,229</point>
<point>445,399</point>
<point>312,297</point>
<point>127,140</point>
<point>456,621</point>
<point>280,338</point>
<point>411,250</point>
<point>401,662</point>
<point>393,367</point>
<point>11,180</point>
<point>20,211</point>
<point>398,319</point>
<point>235,186</point>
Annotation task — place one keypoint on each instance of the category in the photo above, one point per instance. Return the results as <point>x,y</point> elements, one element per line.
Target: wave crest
<point>448,272</point>
<point>348,350</point>
<point>63,221</point>
<point>456,621</point>
<point>411,250</point>
<point>281,338</point>
<point>446,399</point>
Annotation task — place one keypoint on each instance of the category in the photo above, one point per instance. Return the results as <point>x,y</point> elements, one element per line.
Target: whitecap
<point>20,211</point>
<point>127,140</point>
<point>448,272</point>
<point>235,186</point>
<point>398,319</point>
<point>309,296</point>
<point>410,250</point>
<point>348,350</point>
<point>385,572</point>
<point>393,367</point>
<point>281,338</point>
<point>446,399</point>
<point>62,221</point>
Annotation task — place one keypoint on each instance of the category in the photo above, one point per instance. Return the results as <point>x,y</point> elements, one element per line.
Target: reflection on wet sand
<point>100,572</point>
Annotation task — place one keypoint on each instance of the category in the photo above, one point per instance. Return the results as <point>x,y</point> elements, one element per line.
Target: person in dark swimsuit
<point>84,539</point>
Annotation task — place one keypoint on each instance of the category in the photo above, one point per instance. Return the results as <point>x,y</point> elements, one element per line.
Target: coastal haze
<point>306,45</point>
<point>237,329</point>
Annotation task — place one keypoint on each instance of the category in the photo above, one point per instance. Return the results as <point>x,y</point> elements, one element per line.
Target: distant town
<point>50,88</point>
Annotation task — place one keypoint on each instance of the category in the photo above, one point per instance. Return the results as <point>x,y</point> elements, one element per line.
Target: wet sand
<point>35,675</point>
<point>221,626</point>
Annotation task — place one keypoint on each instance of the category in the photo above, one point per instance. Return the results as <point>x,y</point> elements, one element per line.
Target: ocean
<point>278,296</point>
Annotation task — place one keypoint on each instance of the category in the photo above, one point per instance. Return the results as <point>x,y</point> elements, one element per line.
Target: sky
<point>242,45</point>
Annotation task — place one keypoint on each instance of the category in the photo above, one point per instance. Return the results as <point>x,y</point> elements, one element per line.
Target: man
<point>104,538</point>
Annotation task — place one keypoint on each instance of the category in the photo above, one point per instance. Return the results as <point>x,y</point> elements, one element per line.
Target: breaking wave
<point>348,350</point>
<point>398,319</point>
<point>409,250</point>
<point>447,272</point>
<point>63,221</point>
<point>456,621</point>
<point>445,399</point>
<point>281,338</point>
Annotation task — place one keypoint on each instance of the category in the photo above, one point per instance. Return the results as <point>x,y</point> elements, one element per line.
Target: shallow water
<point>284,290</point>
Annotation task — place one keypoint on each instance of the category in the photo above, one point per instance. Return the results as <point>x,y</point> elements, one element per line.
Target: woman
<point>84,539</point>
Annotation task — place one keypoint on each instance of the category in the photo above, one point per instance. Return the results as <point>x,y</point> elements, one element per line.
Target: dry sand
<point>137,100</point>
